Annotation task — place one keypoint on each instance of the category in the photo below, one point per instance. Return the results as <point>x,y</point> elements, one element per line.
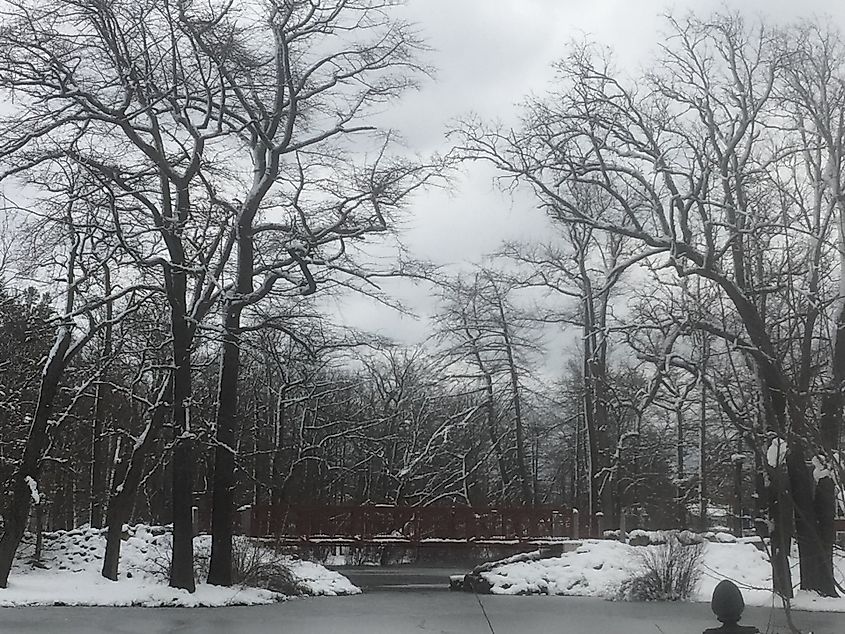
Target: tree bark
<point>780,514</point>
<point>16,513</point>
<point>101,401</point>
<point>123,496</point>
<point>182,458</point>
<point>220,565</point>
<point>513,374</point>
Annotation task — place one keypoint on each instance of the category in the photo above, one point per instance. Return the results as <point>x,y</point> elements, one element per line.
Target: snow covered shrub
<point>157,562</point>
<point>258,565</point>
<point>254,563</point>
<point>668,572</point>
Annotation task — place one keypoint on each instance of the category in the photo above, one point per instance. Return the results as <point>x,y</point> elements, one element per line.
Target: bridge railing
<point>417,523</point>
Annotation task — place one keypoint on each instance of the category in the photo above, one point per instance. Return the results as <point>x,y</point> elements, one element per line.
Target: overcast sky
<point>489,55</point>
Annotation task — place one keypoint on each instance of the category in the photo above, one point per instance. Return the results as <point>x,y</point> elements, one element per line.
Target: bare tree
<point>289,106</point>
<point>114,88</point>
<point>67,233</point>
<point>688,166</point>
<point>583,266</point>
<point>488,340</point>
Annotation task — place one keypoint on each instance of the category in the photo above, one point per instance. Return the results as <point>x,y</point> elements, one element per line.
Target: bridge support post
<point>623,535</point>
<point>576,523</point>
<point>246,521</point>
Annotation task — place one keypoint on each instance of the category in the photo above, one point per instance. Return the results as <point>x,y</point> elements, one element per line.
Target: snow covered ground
<point>599,567</point>
<point>71,574</point>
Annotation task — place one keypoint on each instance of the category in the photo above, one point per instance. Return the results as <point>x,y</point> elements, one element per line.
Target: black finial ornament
<point>727,604</point>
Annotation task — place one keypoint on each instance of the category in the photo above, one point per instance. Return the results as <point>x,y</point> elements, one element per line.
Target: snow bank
<point>599,567</point>
<point>319,580</point>
<point>595,569</point>
<point>69,574</point>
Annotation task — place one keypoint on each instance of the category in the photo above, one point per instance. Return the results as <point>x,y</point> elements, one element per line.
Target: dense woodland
<point>187,183</point>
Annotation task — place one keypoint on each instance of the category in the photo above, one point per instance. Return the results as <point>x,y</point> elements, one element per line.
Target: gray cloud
<point>490,54</point>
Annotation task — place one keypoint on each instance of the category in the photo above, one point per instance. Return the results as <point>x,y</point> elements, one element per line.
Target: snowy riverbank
<point>69,574</point>
<point>599,567</point>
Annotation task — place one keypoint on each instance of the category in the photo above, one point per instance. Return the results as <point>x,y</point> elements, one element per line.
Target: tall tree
<point>688,166</point>
<point>299,78</point>
<point>59,226</point>
<point>488,339</point>
<point>115,89</point>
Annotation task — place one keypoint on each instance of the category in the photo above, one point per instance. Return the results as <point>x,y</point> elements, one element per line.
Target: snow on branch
<point>821,469</point>
<point>776,454</point>
<point>33,490</point>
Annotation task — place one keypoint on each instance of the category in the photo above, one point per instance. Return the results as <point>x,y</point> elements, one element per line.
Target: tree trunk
<point>680,492</point>
<point>16,513</point>
<point>812,535</point>
<point>123,496</point>
<point>780,514</point>
<point>490,411</point>
<point>493,432</point>
<point>737,497</point>
<point>825,508</point>
<point>522,469</point>
<point>702,450</point>
<point>592,454</point>
<point>220,565</point>
<point>182,459</point>
<point>605,471</point>
<point>39,532</point>
<point>277,493</point>
<point>98,459</point>
<point>101,401</point>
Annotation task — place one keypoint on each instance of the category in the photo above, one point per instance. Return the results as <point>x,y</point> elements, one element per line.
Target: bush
<point>668,572</point>
<point>255,564</point>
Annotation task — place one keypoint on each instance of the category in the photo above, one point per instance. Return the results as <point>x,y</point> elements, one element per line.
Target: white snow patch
<point>723,537</point>
<point>73,560</point>
<point>61,333</point>
<point>776,454</point>
<point>599,567</point>
<point>820,469</point>
<point>319,580</point>
<point>141,438</point>
<point>33,489</point>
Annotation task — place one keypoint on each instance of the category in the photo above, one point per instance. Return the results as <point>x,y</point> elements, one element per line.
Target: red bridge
<point>384,523</point>
<point>407,524</point>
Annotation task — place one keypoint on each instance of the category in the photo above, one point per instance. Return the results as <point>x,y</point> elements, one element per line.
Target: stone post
<point>576,523</point>
<point>727,604</point>
<point>600,524</point>
<point>623,535</point>
<point>245,520</point>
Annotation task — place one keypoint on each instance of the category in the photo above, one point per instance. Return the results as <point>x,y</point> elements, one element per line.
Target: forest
<point>188,186</point>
